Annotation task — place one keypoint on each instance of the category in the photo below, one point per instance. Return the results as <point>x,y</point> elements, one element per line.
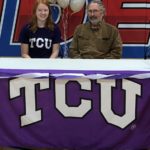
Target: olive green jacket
<point>102,43</point>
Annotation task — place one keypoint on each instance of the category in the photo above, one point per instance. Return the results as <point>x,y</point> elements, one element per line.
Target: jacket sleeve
<point>116,48</point>
<point>73,49</point>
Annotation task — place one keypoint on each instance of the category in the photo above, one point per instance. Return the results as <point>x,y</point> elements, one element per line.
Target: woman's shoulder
<point>26,26</point>
<point>56,26</point>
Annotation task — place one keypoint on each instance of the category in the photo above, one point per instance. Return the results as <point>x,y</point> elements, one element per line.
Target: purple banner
<point>80,114</point>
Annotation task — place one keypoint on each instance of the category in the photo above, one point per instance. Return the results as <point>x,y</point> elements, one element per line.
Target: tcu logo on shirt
<point>40,43</point>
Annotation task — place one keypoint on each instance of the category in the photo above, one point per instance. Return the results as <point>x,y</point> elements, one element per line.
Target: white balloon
<point>77,5</point>
<point>52,1</point>
<point>63,3</point>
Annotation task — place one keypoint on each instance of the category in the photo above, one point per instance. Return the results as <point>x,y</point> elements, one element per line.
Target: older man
<point>96,39</point>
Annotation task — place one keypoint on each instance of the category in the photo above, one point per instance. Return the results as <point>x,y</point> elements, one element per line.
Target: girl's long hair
<point>49,22</point>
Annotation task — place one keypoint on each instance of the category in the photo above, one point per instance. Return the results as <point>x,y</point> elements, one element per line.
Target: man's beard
<point>94,21</point>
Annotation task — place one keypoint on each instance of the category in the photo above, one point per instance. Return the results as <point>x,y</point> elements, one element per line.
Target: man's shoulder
<point>83,26</point>
<point>108,25</point>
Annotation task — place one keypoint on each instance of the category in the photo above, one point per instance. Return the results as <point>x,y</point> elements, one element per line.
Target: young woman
<point>40,38</point>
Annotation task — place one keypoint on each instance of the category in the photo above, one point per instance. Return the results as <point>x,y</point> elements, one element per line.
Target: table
<point>75,103</point>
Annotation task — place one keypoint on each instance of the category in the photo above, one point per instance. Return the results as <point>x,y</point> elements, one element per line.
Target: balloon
<point>63,3</point>
<point>52,1</point>
<point>76,5</point>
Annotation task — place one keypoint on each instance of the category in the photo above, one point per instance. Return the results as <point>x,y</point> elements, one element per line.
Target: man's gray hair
<point>100,4</point>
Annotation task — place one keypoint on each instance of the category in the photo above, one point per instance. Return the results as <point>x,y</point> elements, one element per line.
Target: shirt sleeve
<point>24,35</point>
<point>57,35</point>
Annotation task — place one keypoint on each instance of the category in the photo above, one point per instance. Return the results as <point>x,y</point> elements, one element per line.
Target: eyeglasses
<point>93,11</point>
